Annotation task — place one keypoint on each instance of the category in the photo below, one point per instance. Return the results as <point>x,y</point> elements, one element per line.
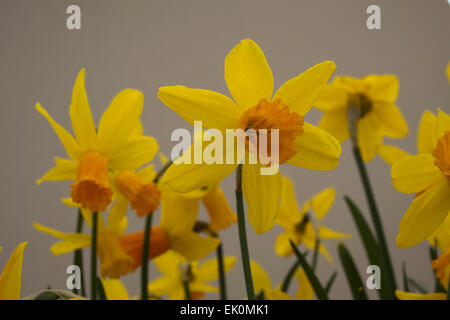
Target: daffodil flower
<point>114,289</point>
<point>298,223</point>
<point>11,276</point>
<point>176,269</point>
<point>93,152</point>
<point>429,175</point>
<point>374,97</point>
<point>263,285</point>
<point>174,232</point>
<point>250,82</point>
<point>114,261</point>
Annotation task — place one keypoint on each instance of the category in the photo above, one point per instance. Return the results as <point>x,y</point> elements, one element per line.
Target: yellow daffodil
<point>250,82</point>
<point>114,289</point>
<point>114,261</point>
<point>429,175</point>
<point>93,152</point>
<point>374,97</point>
<point>176,269</point>
<point>299,223</point>
<point>403,295</point>
<point>175,232</point>
<point>11,276</point>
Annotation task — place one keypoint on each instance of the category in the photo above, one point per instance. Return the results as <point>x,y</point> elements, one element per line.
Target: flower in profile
<point>373,98</point>
<point>298,223</point>
<point>250,82</point>
<point>428,175</point>
<point>114,261</point>
<point>174,232</point>
<point>176,269</point>
<point>11,276</point>
<point>94,151</point>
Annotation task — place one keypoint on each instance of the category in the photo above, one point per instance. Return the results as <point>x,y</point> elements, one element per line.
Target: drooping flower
<point>427,174</point>
<point>299,224</point>
<point>176,269</point>
<point>374,98</point>
<point>11,276</point>
<point>114,260</point>
<point>250,82</point>
<point>93,152</point>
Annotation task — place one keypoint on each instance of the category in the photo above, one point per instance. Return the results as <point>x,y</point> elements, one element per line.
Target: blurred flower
<point>429,175</point>
<point>114,261</point>
<point>114,289</point>
<point>176,269</point>
<point>10,278</point>
<point>298,223</point>
<point>250,82</point>
<point>93,152</point>
<point>374,97</point>
<point>403,295</point>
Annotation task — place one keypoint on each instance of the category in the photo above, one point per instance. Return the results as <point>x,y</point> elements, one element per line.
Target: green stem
<point>316,254</point>
<point>289,276</point>
<point>384,251</point>
<point>145,255</point>
<point>78,256</point>
<point>222,280</point>
<point>187,292</point>
<point>94,256</point>
<point>243,235</point>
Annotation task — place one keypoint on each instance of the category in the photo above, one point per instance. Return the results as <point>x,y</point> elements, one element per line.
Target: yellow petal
<point>309,240</point>
<point>215,110</point>
<point>71,241</point>
<point>277,294</point>
<point>441,236</point>
<point>425,215</point>
<point>81,116</point>
<point>331,98</point>
<point>198,286</point>
<point>350,85</point>
<point>415,173</point>
<point>402,295</point>
<point>262,194</point>
<point>63,170</point>
<point>178,213</point>
<point>192,245</point>
<point>318,150</point>
<point>383,87</point>
<point>288,211</point>
<point>70,145</point>
<point>114,289</point>
<point>392,123</point>
<point>448,72</point>
<point>116,216</point>
<point>442,124</point>
<point>11,277</point>
<point>169,264</point>
<point>391,154</point>
<point>164,285</point>
<point>427,127</point>
<point>148,173</point>
<point>282,245</point>
<point>322,202</point>
<point>209,270</point>
<point>299,93</point>
<point>248,75</point>
<point>336,123</point>
<point>369,137</point>
<point>305,290</point>
<point>119,120</point>
<point>261,280</point>
<point>327,233</point>
<point>134,153</point>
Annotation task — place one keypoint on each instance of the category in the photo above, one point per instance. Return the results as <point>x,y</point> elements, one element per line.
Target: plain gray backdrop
<point>148,44</point>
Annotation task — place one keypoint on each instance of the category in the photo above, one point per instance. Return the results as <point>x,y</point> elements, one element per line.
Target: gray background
<point>147,44</point>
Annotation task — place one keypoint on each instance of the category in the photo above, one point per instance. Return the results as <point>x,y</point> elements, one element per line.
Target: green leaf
<point>352,274</point>
<point>316,254</point>
<point>420,288</point>
<point>315,283</point>
<point>405,277</point>
<point>101,291</point>
<point>330,282</point>
<point>370,244</point>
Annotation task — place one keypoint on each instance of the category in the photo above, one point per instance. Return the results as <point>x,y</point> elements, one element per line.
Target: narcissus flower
<point>299,223</point>
<point>176,269</point>
<point>250,82</point>
<point>175,232</point>
<point>429,175</point>
<point>11,276</point>
<point>114,261</point>
<point>374,98</point>
<point>93,152</point>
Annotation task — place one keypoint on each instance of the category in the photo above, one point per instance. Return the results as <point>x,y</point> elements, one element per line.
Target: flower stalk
<point>222,279</point>
<point>78,256</point>
<point>94,256</point>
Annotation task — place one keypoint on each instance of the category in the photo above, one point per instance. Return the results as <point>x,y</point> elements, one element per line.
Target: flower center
<point>301,226</point>
<point>144,197</point>
<point>273,115</point>
<point>441,154</point>
<point>441,264</point>
<point>91,188</point>
<point>132,244</point>
<point>114,261</point>
<point>362,102</point>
